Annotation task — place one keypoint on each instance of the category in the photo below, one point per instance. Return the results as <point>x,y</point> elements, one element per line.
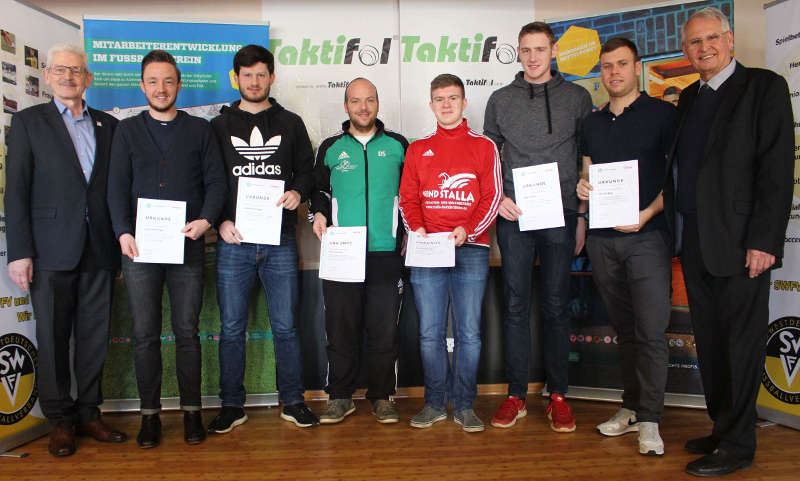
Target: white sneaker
<point>650,443</point>
<point>624,421</point>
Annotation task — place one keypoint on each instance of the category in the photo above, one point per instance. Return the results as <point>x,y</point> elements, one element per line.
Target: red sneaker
<point>560,414</point>
<point>508,412</point>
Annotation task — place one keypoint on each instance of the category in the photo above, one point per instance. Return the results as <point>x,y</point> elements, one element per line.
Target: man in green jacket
<point>357,175</point>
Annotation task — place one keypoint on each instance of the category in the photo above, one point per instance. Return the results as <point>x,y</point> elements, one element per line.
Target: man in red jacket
<point>451,183</point>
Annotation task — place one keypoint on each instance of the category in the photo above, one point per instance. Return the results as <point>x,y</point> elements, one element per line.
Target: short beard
<point>255,100</point>
<point>162,109</point>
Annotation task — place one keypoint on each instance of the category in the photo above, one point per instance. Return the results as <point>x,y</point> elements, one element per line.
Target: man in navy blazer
<point>734,160</point>
<point>61,245</point>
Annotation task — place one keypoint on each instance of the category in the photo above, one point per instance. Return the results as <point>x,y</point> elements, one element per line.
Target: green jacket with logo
<point>357,184</point>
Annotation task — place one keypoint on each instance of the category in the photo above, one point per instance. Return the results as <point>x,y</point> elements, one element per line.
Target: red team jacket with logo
<point>452,178</point>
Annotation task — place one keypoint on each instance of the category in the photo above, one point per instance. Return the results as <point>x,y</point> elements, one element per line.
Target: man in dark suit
<point>61,245</point>
<point>733,156</point>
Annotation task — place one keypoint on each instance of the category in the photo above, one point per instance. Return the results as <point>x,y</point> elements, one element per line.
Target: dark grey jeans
<point>145,285</point>
<point>633,274</point>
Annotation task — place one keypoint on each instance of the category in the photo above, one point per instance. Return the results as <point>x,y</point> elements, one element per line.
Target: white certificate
<point>436,250</point>
<point>158,231</point>
<point>343,253</point>
<point>614,198</point>
<point>258,219</point>
<point>538,194</point>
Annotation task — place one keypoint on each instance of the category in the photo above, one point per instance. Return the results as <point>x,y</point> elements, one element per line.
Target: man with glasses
<point>735,160</point>
<point>60,243</point>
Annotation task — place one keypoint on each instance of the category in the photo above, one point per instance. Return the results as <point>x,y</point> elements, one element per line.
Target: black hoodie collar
<point>234,109</point>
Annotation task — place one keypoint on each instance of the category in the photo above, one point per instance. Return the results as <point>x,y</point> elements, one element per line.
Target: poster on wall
<point>25,36</point>
<point>203,51</point>
<point>779,393</point>
<point>666,72</point>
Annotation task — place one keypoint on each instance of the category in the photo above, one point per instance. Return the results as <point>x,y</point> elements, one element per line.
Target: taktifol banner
<point>203,51</point>
<point>27,33</point>
<point>779,394</point>
<point>315,59</point>
<point>400,47</point>
<point>481,48</point>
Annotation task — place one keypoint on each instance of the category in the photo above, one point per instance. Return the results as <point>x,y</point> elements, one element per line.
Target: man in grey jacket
<point>536,120</point>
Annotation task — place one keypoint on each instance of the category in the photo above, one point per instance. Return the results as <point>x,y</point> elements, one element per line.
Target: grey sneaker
<point>468,421</point>
<point>337,410</point>
<point>428,416</point>
<point>650,443</point>
<point>624,421</point>
<point>385,412</point>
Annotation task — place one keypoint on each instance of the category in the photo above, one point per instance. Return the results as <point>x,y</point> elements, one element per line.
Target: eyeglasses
<point>62,70</point>
<point>712,39</point>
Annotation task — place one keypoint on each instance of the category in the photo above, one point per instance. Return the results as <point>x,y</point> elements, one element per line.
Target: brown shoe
<point>62,440</point>
<point>101,432</point>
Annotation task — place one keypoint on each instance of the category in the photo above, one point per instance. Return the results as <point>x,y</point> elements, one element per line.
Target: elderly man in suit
<point>60,243</point>
<point>733,156</point>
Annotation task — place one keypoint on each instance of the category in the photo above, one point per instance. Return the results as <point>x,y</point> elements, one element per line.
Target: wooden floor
<point>268,448</point>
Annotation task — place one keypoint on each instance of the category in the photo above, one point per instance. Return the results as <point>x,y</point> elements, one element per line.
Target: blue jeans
<point>276,266</point>
<point>556,249</point>
<point>461,287</point>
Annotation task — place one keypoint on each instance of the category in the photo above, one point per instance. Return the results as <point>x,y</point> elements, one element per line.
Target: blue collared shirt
<point>81,130</point>
<point>717,80</point>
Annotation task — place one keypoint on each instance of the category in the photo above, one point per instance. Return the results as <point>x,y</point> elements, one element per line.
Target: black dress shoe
<point>193,430</point>
<point>150,433</point>
<point>718,463</point>
<point>704,445</point>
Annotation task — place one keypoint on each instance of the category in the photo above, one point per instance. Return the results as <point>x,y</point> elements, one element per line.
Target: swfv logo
<point>18,362</point>
<point>783,360</point>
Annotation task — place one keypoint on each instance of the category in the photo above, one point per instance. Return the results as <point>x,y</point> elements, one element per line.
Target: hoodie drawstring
<point>547,106</point>
<point>530,86</point>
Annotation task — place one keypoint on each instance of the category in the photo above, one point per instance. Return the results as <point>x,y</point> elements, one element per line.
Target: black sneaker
<point>300,415</point>
<point>227,419</point>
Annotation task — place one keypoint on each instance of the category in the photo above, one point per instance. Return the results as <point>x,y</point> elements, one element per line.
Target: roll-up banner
<point>656,30</point>
<point>203,51</point>
<point>204,54</point>
<point>27,33</point>
<point>779,394</point>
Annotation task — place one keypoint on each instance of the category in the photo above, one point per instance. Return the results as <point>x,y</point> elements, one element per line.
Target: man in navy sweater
<point>167,155</point>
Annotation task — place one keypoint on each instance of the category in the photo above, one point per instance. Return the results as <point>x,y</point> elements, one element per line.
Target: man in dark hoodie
<point>536,120</point>
<point>261,139</point>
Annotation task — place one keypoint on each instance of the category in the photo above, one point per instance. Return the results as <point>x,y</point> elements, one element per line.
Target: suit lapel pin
<point>99,124</point>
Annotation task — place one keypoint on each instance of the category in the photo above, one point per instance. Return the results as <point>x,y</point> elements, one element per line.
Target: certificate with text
<point>538,195</point>
<point>342,254</point>
<point>158,231</point>
<point>435,250</point>
<point>614,198</point>
<point>258,218</point>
